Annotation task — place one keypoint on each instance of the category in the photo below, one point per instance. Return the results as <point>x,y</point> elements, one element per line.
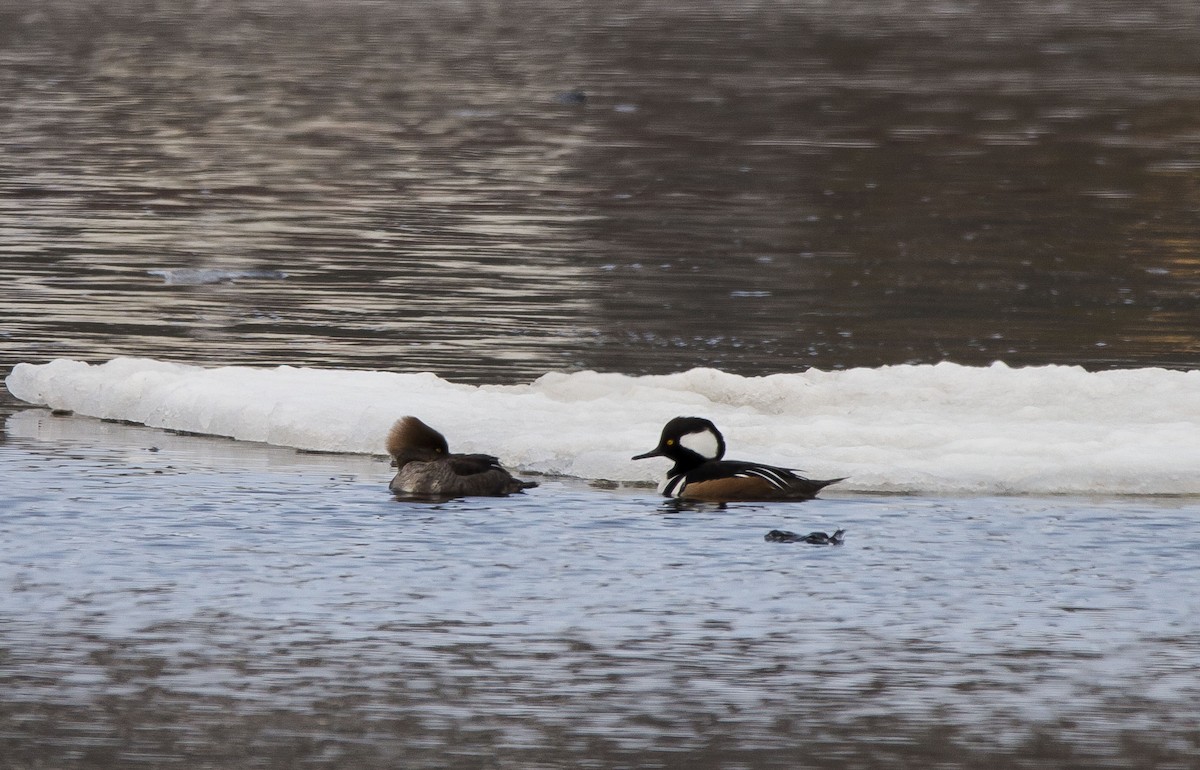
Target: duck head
<point>688,441</point>
<point>410,439</point>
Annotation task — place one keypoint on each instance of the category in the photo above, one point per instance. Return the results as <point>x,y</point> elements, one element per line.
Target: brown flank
<point>733,488</point>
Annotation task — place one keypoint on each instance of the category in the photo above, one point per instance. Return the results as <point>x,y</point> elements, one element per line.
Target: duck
<point>813,538</point>
<point>697,447</point>
<point>425,467</point>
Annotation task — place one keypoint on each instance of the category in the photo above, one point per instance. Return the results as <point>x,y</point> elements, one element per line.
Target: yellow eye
<point>670,442</point>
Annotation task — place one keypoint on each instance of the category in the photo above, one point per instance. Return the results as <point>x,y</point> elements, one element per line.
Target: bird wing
<point>469,465</point>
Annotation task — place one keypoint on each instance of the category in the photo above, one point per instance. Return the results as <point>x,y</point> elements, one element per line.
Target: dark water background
<point>759,187</point>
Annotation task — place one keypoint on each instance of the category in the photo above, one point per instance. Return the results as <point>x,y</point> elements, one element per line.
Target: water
<point>758,188</point>
<point>201,600</point>
<point>776,186</point>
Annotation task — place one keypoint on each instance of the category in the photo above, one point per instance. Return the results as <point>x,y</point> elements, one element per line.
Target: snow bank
<point>944,429</point>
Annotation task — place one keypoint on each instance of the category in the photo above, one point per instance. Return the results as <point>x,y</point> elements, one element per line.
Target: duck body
<point>700,473</point>
<point>425,467</point>
<point>812,538</point>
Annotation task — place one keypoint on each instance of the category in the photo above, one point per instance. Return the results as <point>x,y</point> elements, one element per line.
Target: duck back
<point>456,476</point>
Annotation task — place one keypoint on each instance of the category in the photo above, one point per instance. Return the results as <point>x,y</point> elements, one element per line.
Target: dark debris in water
<point>574,97</point>
<point>813,538</point>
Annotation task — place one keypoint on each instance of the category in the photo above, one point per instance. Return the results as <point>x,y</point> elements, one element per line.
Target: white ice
<point>941,429</point>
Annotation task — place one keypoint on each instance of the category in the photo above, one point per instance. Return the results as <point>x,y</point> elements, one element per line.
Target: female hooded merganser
<point>425,467</point>
<point>697,447</point>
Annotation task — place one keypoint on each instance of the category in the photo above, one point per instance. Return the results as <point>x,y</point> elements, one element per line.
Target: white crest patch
<point>703,443</point>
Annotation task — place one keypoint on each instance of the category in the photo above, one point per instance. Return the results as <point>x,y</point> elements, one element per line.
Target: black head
<point>689,441</point>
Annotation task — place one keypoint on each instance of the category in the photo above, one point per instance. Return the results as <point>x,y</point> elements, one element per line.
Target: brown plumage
<point>732,488</point>
<point>425,467</point>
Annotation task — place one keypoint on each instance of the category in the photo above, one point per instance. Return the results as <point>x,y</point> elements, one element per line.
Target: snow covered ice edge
<point>937,429</point>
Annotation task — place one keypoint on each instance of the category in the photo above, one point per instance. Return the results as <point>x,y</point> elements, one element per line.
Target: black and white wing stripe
<point>779,478</point>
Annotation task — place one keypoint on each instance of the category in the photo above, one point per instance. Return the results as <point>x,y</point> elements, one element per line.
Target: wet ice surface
<point>236,600</point>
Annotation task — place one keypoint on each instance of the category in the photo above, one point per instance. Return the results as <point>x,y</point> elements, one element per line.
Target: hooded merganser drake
<point>426,468</point>
<point>697,447</point>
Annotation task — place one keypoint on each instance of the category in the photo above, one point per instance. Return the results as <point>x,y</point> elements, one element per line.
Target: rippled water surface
<point>495,190</point>
<point>183,600</point>
<point>491,191</point>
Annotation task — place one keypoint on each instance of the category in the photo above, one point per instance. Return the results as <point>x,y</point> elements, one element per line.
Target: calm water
<point>413,186</point>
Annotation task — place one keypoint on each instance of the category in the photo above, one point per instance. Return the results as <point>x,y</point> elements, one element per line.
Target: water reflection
<point>760,188</point>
